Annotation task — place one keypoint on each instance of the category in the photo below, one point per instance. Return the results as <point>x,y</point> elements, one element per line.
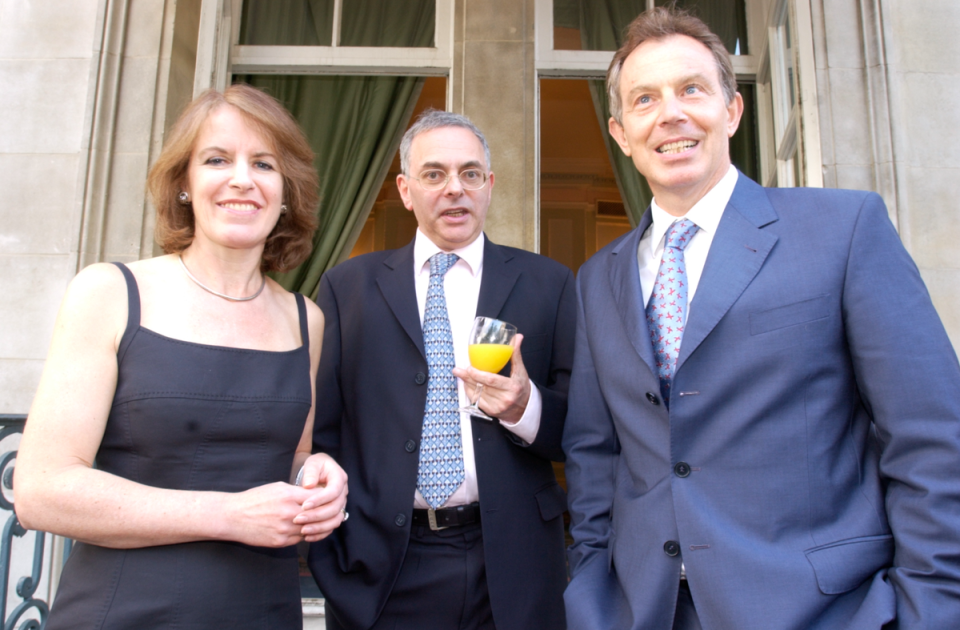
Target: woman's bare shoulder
<point>99,282</point>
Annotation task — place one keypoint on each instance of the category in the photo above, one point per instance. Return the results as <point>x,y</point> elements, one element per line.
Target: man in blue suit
<point>764,416</point>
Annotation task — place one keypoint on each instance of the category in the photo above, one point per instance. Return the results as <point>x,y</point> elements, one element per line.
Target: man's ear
<point>616,130</point>
<point>404,187</point>
<point>734,112</point>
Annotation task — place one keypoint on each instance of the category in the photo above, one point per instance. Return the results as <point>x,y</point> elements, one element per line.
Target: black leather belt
<point>443,518</point>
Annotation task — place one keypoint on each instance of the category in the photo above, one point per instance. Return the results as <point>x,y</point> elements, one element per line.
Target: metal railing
<point>26,587</point>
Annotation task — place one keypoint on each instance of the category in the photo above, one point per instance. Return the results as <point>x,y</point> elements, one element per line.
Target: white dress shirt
<point>706,214</point>
<point>461,287</point>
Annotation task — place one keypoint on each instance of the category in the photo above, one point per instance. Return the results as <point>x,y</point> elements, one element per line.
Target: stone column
<point>494,83</point>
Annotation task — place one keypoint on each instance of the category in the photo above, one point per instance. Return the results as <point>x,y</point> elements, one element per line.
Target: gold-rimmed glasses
<point>437,179</point>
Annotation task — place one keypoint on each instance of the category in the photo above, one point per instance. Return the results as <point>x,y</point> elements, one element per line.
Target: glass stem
<point>477,392</point>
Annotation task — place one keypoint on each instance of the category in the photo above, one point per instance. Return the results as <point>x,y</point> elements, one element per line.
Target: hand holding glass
<point>490,347</point>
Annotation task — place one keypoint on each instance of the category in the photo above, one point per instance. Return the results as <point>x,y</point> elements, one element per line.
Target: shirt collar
<point>706,213</point>
<point>424,249</point>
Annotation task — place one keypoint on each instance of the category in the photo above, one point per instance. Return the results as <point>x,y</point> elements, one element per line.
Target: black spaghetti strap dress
<point>190,416</point>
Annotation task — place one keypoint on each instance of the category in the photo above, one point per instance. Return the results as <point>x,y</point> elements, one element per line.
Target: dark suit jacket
<point>371,392</point>
<point>816,405</point>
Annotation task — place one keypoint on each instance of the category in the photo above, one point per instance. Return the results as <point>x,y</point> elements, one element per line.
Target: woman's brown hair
<point>291,241</point>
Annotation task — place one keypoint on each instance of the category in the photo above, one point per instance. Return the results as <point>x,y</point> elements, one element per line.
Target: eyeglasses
<point>437,179</point>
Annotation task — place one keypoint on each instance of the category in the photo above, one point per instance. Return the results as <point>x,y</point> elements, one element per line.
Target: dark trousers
<point>442,584</point>
<point>686,616</point>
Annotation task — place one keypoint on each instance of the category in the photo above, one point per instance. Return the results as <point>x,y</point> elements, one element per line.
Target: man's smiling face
<point>676,123</point>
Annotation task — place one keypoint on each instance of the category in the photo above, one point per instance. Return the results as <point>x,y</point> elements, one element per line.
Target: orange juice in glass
<point>489,357</point>
<point>490,347</point>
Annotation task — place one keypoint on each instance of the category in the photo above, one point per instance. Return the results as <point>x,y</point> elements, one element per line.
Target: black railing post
<point>11,425</point>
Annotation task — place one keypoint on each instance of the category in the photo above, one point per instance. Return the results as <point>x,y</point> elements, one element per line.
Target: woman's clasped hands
<point>280,514</point>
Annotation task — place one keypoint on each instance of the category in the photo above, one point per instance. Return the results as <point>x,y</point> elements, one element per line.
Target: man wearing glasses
<point>467,533</point>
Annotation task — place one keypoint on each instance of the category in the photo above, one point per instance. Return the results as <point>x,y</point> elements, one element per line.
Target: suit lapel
<point>625,282</point>
<point>396,283</point>
<point>737,253</point>
<point>499,277</point>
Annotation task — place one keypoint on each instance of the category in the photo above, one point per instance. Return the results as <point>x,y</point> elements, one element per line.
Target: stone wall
<point>90,88</point>
<point>46,52</point>
<point>889,87</point>
<point>923,73</point>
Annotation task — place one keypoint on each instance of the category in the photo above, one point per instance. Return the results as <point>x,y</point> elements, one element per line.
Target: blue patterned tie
<point>667,308</point>
<point>441,452</point>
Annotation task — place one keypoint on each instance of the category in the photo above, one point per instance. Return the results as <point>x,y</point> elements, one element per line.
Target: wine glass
<point>490,347</point>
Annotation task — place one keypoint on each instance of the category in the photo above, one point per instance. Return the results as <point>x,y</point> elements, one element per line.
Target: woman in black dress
<point>188,380</point>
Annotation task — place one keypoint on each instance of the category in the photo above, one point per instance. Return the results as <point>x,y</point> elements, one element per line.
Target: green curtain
<point>726,18</point>
<point>363,23</point>
<point>388,23</point>
<point>354,123</point>
<point>287,23</point>
<point>633,186</point>
<point>601,28</point>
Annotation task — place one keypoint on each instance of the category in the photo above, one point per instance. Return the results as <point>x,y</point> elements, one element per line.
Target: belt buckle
<point>432,519</point>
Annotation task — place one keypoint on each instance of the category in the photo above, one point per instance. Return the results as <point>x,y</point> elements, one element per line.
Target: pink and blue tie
<point>667,308</point>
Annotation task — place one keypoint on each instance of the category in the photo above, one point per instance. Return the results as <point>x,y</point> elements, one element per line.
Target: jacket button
<point>420,378</point>
<point>653,398</point>
<point>410,446</point>
<point>682,469</point>
<point>401,520</point>
<point>671,548</point>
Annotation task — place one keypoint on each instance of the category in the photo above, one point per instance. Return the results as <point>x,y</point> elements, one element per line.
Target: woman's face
<point>234,182</point>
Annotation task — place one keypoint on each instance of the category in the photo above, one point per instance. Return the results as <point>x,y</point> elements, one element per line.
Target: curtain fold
<point>634,190</point>
<point>354,123</point>
<point>287,23</point>
<point>601,28</point>
<point>726,18</point>
<point>388,23</point>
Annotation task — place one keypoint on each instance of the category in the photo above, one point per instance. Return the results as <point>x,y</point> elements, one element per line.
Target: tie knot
<point>680,233</point>
<point>440,263</point>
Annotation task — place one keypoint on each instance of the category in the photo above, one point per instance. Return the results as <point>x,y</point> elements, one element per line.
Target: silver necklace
<point>216,293</point>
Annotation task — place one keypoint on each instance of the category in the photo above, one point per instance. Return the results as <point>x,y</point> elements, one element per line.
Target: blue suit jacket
<point>816,401</point>
<point>371,393</point>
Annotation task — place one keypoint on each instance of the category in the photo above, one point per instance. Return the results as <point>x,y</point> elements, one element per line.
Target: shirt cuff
<point>526,428</point>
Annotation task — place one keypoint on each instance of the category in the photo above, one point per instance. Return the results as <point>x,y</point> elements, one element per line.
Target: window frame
<point>593,64</point>
<point>790,152</point>
<point>219,54</point>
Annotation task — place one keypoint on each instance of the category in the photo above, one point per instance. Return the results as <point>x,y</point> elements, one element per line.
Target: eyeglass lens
<point>470,179</point>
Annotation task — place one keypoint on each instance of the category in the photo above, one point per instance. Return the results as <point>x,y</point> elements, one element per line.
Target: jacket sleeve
<point>590,443</point>
<point>909,379</point>
<point>329,401</point>
<point>554,391</point>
